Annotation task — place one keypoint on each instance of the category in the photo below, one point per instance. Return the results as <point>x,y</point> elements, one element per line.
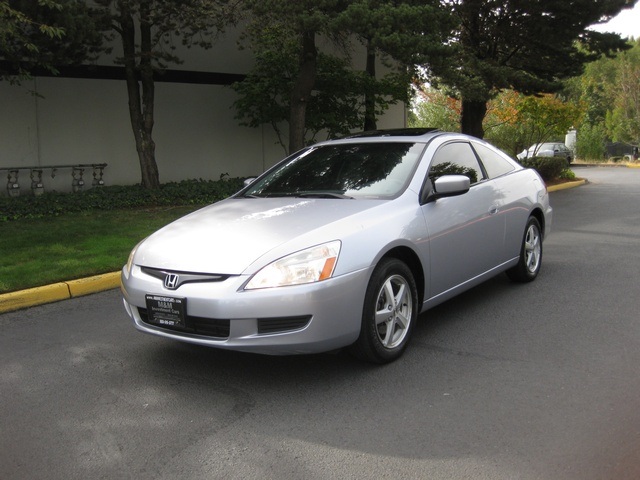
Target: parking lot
<point>536,381</point>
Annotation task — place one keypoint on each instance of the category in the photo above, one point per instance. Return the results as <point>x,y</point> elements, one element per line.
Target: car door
<point>466,232</point>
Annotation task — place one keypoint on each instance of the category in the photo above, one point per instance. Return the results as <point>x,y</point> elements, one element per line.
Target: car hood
<point>227,237</point>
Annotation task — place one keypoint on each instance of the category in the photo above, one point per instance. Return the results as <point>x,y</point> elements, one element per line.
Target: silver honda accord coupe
<point>342,244</point>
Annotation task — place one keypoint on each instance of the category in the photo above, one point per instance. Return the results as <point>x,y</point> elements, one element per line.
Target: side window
<point>456,159</point>
<point>493,162</point>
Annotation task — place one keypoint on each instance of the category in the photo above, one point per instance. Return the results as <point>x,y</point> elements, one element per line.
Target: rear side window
<point>493,162</point>
<point>456,159</point>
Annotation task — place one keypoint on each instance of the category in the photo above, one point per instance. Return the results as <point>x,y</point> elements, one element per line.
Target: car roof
<point>400,135</point>
<point>409,135</point>
<point>394,132</point>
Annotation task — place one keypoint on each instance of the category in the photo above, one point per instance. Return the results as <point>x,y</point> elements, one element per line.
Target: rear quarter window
<point>494,163</point>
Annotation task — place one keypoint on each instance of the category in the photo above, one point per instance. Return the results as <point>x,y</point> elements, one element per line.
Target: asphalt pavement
<point>504,382</point>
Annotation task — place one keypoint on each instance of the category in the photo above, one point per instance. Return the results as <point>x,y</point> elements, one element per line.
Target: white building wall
<point>86,121</point>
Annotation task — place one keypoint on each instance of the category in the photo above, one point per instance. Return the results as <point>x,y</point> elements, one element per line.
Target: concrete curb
<point>565,186</point>
<point>605,165</point>
<point>58,291</point>
<point>84,286</point>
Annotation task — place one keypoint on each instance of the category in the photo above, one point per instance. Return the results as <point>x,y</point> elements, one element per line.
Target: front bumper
<point>308,318</point>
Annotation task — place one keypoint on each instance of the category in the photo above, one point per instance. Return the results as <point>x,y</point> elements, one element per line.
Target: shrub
<point>567,174</point>
<point>549,168</point>
<point>49,204</point>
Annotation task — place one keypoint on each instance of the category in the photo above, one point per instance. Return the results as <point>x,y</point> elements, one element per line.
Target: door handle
<point>493,210</point>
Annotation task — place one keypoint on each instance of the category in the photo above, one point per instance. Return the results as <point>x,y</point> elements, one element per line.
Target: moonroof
<point>398,132</point>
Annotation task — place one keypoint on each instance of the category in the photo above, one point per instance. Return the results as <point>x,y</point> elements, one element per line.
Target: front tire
<point>389,314</point>
<point>530,259</point>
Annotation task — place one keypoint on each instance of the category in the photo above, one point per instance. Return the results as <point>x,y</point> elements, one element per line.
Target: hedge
<point>49,204</point>
<point>549,168</point>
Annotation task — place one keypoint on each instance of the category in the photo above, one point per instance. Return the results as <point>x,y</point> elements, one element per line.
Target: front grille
<point>181,278</point>
<point>208,327</point>
<point>283,324</point>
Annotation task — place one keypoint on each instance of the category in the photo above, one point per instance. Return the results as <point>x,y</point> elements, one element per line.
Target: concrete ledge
<point>58,291</point>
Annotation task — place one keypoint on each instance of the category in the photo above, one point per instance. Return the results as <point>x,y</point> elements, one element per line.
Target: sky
<point>627,23</point>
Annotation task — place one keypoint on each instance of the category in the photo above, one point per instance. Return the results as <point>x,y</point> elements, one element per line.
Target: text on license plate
<point>167,311</point>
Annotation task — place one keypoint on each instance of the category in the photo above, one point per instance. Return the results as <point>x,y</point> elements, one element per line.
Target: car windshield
<point>362,170</point>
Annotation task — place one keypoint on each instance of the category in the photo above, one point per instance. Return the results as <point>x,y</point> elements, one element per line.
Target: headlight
<point>307,266</point>
<point>127,270</point>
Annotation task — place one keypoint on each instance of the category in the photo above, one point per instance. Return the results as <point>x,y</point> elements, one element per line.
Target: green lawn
<point>43,251</point>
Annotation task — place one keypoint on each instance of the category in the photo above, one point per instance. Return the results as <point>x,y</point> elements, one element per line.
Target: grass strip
<point>36,252</point>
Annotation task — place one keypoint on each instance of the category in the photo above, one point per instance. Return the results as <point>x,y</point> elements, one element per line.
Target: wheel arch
<point>411,259</point>
<point>539,215</point>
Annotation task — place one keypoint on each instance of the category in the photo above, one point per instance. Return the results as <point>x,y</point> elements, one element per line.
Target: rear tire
<point>530,260</point>
<point>389,314</point>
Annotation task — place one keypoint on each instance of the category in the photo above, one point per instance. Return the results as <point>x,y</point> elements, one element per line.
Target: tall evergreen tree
<point>409,32</point>
<point>299,25</point>
<point>318,88</point>
<point>526,45</point>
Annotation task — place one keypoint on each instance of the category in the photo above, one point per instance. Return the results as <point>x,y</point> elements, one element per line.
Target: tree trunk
<point>369,97</point>
<point>140,104</point>
<point>301,92</point>
<point>473,113</point>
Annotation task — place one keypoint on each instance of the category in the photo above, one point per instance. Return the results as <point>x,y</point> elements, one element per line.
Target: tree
<point>315,89</point>
<point>264,96</point>
<point>146,29</point>
<point>528,46</point>
<point>514,121</point>
<point>44,35</point>
<point>596,88</point>
<point>505,125</point>
<point>546,117</point>
<point>623,120</point>
<point>283,36</point>
<point>434,109</point>
<point>409,32</point>
<point>590,142</point>
<point>610,90</point>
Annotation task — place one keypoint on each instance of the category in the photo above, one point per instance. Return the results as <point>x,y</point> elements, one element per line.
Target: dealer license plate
<point>166,311</point>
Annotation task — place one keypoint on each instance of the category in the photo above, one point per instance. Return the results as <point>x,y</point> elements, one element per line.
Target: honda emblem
<point>171,281</point>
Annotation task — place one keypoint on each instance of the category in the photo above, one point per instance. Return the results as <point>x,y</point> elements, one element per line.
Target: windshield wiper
<point>300,194</point>
<point>323,195</point>
<point>267,195</point>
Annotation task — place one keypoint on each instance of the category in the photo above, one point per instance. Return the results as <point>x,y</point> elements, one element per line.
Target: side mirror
<point>451,185</point>
<point>248,181</point>
<point>448,186</point>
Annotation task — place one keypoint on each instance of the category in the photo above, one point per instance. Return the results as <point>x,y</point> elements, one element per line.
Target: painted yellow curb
<point>58,291</point>
<point>85,286</point>
<point>564,186</point>
<point>33,296</point>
